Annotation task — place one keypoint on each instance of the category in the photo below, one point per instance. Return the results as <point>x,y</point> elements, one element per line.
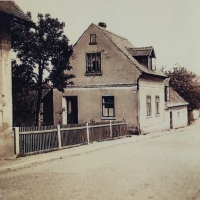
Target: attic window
<point>93,39</point>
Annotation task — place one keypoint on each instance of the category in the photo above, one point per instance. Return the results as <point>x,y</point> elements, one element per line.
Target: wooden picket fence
<point>32,140</point>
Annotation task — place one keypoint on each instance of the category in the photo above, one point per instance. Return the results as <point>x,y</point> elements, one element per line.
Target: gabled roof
<point>12,9</point>
<point>124,45</point>
<point>142,51</point>
<point>175,99</point>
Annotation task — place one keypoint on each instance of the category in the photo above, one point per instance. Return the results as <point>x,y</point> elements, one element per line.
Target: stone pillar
<point>6,133</point>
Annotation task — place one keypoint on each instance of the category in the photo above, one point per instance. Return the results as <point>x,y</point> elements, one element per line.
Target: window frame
<point>150,63</point>
<point>157,105</point>
<point>91,59</point>
<point>93,39</point>
<point>104,103</point>
<point>149,107</point>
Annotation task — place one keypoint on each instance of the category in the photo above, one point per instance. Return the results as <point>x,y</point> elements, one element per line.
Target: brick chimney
<point>102,25</point>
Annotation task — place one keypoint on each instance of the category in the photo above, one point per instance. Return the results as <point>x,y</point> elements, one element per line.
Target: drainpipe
<point>138,100</point>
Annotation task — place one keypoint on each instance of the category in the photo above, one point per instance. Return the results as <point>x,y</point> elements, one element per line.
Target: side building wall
<point>179,117</point>
<point>151,87</point>
<point>48,109</point>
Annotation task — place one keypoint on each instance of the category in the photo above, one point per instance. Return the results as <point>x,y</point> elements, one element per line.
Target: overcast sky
<point>172,27</point>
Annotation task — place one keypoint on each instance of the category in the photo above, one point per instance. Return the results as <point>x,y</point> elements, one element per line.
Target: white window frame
<point>157,105</point>
<point>149,107</point>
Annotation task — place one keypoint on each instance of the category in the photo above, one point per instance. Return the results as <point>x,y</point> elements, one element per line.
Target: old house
<point>176,110</point>
<point>114,81</point>
<point>9,10</point>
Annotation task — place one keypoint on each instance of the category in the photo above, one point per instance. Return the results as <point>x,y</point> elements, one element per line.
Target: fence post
<point>17,150</point>
<point>88,135</point>
<point>111,132</point>
<point>59,137</point>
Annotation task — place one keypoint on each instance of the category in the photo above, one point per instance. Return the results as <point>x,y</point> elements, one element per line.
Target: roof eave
<point>182,104</point>
<point>29,23</point>
<point>157,75</point>
<point>24,22</point>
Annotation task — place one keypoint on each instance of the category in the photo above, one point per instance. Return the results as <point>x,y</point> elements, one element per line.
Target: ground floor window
<point>108,108</point>
<point>157,105</point>
<point>148,105</point>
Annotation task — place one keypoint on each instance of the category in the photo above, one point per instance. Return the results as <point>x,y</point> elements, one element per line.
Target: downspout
<point>138,100</point>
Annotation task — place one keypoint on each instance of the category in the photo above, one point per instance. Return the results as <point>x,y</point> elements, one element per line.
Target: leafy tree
<point>182,81</point>
<point>24,96</point>
<point>44,56</point>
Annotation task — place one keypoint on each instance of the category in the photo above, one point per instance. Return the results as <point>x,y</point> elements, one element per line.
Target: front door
<point>171,120</point>
<point>72,110</point>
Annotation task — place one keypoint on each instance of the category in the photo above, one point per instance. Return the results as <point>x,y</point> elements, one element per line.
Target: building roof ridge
<point>110,32</point>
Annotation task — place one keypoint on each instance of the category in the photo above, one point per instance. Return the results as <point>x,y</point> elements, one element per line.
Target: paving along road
<point>165,167</point>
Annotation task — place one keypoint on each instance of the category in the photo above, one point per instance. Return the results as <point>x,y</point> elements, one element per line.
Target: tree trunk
<point>39,97</point>
<point>37,120</point>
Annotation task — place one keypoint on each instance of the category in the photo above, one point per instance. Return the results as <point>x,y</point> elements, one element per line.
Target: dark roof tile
<point>124,45</point>
<point>142,51</point>
<point>175,99</point>
<point>11,8</point>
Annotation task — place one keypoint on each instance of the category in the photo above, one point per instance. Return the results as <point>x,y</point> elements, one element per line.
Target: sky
<point>172,27</point>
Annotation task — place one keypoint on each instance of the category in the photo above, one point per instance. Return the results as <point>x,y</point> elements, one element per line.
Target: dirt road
<point>165,167</point>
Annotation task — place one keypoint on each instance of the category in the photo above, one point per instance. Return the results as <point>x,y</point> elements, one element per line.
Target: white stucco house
<point>176,112</point>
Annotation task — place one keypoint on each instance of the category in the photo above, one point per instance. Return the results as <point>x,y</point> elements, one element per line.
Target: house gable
<point>114,65</point>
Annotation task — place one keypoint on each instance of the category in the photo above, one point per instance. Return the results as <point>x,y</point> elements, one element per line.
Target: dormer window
<point>145,56</point>
<point>152,63</point>
<point>93,63</point>
<point>93,38</point>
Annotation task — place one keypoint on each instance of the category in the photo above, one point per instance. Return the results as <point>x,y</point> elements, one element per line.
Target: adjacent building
<point>176,110</point>
<point>9,11</point>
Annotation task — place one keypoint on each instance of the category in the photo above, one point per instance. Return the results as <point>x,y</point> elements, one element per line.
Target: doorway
<point>70,110</point>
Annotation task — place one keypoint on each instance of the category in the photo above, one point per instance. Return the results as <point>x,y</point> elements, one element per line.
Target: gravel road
<point>165,167</point>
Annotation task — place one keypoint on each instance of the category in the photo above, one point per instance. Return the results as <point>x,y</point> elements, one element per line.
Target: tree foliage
<point>182,81</point>
<point>44,58</point>
<point>24,96</point>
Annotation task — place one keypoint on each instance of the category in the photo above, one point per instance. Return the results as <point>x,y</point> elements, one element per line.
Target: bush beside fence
<point>31,140</point>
